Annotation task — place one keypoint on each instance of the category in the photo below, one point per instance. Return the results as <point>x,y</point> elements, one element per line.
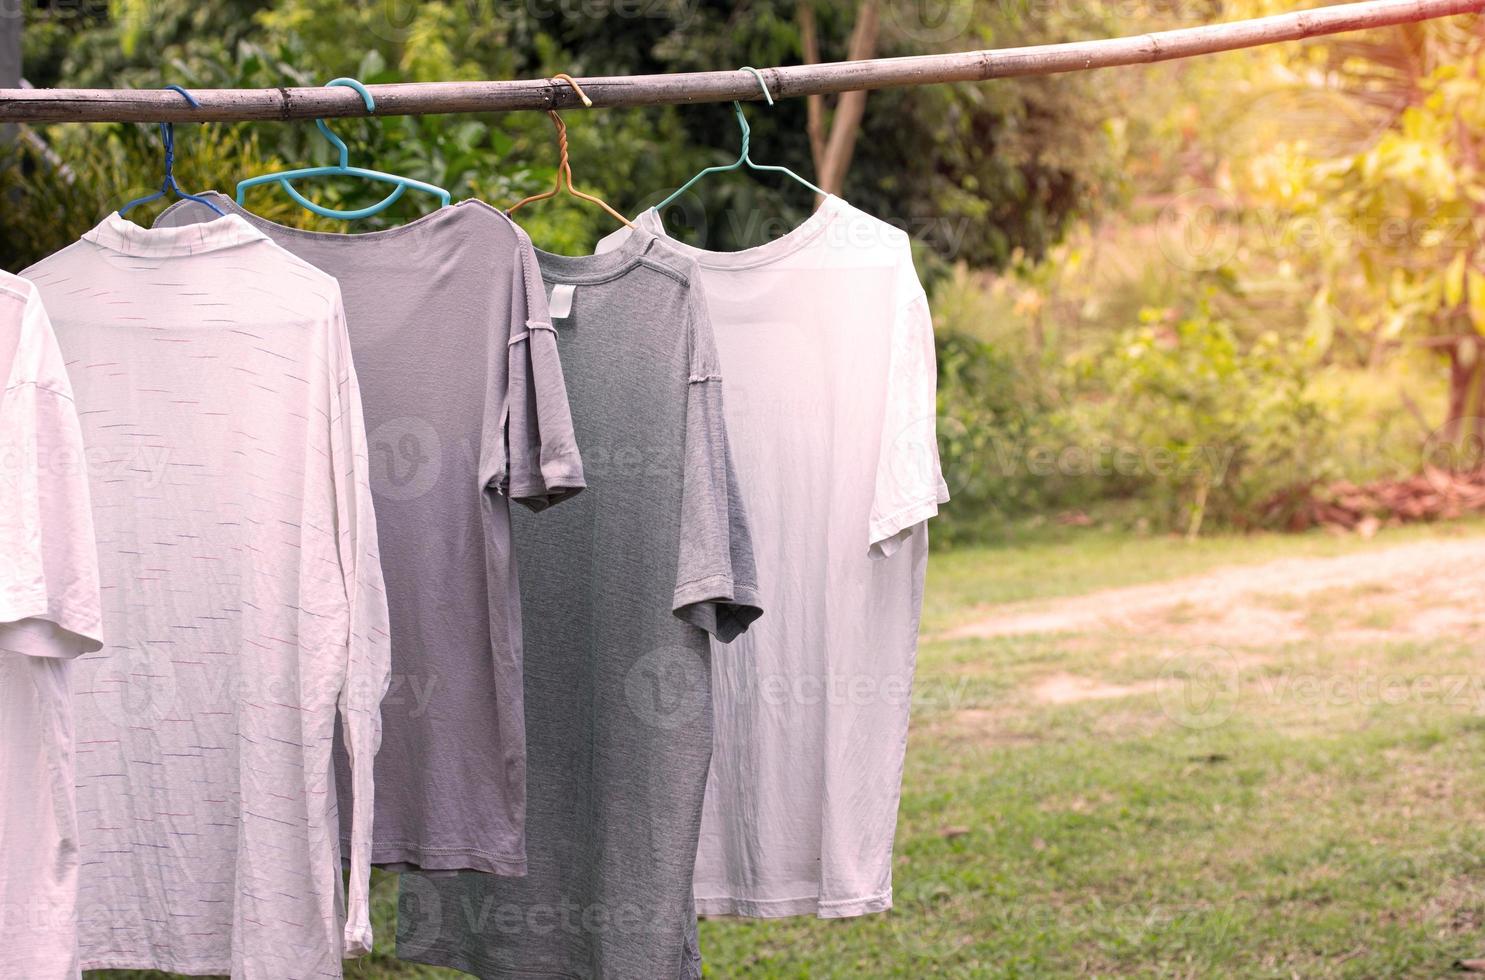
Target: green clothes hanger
<point>283,177</point>
<point>744,159</point>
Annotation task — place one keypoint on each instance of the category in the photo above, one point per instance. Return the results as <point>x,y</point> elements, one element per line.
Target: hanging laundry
<point>466,410</point>
<point>49,614</point>
<point>827,344</point>
<point>242,602</point>
<point>622,588</point>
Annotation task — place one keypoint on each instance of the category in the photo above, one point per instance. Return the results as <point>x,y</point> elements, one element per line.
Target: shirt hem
<point>774,908</point>
<point>416,857</point>
<point>29,968</point>
<point>45,635</point>
<point>188,967</point>
<point>451,960</point>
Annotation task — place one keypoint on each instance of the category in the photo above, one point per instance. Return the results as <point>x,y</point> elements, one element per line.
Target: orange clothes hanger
<point>564,168</point>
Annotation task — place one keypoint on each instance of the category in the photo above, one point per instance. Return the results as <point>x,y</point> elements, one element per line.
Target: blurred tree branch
<point>832,153</point>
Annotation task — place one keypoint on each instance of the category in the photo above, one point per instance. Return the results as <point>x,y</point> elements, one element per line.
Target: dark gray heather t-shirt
<point>621,587</point>
<point>465,409</point>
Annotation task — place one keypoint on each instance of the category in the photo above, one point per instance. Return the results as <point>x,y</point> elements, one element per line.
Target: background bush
<point>1159,303</point>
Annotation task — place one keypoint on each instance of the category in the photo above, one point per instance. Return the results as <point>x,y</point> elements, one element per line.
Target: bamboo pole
<point>421,98</point>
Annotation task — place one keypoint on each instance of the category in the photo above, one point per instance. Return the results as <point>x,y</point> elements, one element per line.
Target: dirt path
<point>1430,588</point>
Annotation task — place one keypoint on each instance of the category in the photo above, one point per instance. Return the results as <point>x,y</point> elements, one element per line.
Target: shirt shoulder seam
<point>663,268</point>
<point>39,386</point>
<point>13,287</point>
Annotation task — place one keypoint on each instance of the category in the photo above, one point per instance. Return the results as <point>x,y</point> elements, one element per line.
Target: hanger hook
<point>767,95</point>
<point>168,183</point>
<point>564,169</point>
<point>742,121</point>
<point>362,90</point>
<point>747,131</point>
<point>587,102</point>
<point>336,141</point>
<point>167,135</point>
<point>189,97</point>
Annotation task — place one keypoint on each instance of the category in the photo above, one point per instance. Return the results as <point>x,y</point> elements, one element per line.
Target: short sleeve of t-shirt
<point>544,464</point>
<point>716,581</point>
<point>49,601</point>
<point>909,482</point>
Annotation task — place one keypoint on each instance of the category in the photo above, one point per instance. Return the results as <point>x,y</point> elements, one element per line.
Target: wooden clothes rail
<point>422,98</point>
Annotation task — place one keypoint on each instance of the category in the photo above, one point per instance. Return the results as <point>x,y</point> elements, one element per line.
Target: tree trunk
<point>832,153</point>
<point>809,42</point>
<point>1460,445</point>
<point>845,126</point>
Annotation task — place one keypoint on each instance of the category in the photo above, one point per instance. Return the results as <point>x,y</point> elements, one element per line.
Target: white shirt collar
<point>119,234</point>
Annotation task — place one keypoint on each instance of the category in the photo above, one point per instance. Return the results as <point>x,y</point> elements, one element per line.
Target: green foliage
<point>67,186</point>
<point>1305,220</point>
<point>986,419</point>
<point>1005,166</point>
<point>1191,418</point>
<point>1378,208</point>
<point>1211,425</point>
<point>997,401</point>
<point>1067,184</point>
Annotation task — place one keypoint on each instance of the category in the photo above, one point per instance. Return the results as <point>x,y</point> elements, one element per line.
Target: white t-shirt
<point>827,347</point>
<point>49,614</point>
<point>242,599</point>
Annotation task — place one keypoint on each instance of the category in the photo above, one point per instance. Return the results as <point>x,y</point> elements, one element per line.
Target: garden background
<point>1199,691</point>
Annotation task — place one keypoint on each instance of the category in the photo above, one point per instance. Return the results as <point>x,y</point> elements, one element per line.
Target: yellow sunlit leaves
<point>1454,281</point>
<point>1476,282</point>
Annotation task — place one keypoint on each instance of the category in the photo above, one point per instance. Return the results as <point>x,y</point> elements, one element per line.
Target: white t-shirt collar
<point>119,234</point>
<point>791,241</point>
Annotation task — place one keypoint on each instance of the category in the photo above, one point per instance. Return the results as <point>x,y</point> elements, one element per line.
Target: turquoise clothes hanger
<point>167,134</point>
<point>744,159</point>
<point>343,168</point>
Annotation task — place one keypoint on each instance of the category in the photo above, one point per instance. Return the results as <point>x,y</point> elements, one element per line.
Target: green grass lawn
<point>1297,824</point>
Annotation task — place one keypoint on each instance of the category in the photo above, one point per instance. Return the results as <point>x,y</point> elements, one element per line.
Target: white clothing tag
<point>561,304</point>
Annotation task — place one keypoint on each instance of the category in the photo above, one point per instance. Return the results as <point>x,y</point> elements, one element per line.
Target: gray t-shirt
<point>621,588</point>
<point>465,409</point>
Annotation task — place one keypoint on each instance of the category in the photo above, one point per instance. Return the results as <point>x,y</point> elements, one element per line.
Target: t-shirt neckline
<point>118,234</point>
<point>279,231</point>
<point>600,267</point>
<point>786,244</point>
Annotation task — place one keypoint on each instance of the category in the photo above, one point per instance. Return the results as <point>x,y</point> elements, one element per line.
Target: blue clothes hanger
<point>167,133</point>
<point>744,159</point>
<point>343,168</point>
